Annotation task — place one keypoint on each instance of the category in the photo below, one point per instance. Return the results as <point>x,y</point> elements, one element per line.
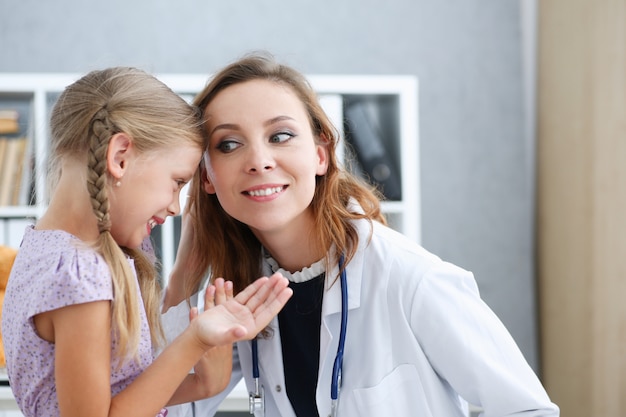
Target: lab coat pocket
<point>399,394</point>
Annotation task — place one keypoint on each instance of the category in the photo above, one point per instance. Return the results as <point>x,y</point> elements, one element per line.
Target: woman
<point>271,196</point>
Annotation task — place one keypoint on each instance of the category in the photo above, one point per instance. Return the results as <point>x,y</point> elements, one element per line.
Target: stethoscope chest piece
<point>256,402</point>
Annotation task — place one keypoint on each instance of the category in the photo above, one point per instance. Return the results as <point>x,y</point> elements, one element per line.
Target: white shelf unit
<point>394,98</point>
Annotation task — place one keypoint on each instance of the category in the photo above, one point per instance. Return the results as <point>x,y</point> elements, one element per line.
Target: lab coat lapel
<point>271,366</point>
<point>331,325</point>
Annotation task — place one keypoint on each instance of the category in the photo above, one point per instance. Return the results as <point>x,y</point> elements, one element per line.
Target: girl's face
<point>263,158</point>
<point>149,191</point>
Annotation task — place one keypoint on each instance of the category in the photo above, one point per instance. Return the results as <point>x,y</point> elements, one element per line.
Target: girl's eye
<point>227,146</point>
<point>281,137</point>
<point>180,183</point>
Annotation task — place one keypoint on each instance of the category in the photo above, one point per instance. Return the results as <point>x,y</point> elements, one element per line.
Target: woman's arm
<point>471,348</point>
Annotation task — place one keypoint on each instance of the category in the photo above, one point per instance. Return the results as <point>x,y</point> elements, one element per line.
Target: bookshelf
<point>376,114</point>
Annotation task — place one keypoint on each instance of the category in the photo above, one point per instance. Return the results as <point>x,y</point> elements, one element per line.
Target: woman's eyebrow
<point>224,126</point>
<point>277,119</point>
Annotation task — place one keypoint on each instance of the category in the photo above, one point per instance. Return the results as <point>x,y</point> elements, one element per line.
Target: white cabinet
<point>377,115</point>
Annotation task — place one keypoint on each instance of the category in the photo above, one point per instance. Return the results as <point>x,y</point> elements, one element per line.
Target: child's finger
<point>220,291</point>
<point>228,289</point>
<point>209,297</point>
<point>251,289</point>
<point>193,313</point>
<point>263,291</point>
<point>272,306</point>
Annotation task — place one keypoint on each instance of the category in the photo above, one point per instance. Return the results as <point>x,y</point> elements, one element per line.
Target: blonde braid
<point>124,309</point>
<point>101,132</point>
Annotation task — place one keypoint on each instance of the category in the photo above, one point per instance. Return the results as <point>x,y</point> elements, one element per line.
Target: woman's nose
<point>260,159</point>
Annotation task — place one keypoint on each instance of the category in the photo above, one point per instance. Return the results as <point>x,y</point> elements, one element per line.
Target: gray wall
<point>476,158</point>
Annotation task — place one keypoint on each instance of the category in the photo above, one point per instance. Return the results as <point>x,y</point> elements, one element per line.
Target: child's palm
<point>246,315</point>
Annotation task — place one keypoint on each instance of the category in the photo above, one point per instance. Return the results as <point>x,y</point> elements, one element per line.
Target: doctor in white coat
<point>270,196</point>
<point>419,342</point>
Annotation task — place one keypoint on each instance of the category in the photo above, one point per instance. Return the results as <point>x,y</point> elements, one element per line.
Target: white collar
<point>303,275</point>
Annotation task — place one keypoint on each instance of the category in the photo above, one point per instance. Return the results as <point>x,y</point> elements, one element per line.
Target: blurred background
<point>492,74</point>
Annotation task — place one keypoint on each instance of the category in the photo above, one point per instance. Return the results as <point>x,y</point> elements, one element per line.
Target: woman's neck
<point>293,248</point>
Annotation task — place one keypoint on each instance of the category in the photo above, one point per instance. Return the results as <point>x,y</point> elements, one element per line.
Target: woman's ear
<point>206,183</point>
<point>118,154</point>
<point>204,176</point>
<point>322,156</point>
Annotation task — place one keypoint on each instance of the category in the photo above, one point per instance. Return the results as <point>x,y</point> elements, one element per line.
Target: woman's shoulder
<point>374,236</point>
<point>405,257</point>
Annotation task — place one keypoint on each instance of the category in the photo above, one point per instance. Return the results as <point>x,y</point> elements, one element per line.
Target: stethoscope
<point>257,398</point>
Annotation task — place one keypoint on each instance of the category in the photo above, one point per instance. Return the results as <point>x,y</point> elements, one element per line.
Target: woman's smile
<point>265,191</point>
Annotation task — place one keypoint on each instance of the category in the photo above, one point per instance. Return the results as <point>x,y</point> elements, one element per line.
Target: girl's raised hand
<point>213,370</point>
<point>245,315</point>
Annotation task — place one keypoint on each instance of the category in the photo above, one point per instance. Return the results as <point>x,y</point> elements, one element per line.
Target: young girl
<point>81,313</point>
<point>419,341</point>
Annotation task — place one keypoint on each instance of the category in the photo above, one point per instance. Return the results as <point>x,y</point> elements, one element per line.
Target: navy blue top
<point>299,323</point>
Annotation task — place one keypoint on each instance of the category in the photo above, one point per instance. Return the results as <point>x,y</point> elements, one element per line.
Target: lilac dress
<point>54,269</point>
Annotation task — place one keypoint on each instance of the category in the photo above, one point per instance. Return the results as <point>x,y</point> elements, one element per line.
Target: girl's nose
<point>174,208</point>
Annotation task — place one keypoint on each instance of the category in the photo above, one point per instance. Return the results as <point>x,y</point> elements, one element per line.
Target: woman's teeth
<point>265,191</point>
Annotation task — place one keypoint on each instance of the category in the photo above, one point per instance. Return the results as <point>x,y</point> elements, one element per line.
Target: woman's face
<point>263,158</point>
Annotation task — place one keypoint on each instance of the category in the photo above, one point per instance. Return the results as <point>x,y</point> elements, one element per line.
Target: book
<point>11,163</point>
<point>9,121</point>
<point>25,193</point>
<point>6,173</point>
<point>19,171</point>
<point>3,147</point>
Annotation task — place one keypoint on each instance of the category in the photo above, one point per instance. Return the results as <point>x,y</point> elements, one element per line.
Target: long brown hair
<point>226,247</point>
<point>85,117</point>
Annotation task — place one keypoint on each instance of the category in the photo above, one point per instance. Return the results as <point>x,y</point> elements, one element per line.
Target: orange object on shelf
<point>7,256</point>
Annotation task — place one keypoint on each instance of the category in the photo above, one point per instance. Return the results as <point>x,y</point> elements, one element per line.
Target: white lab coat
<point>420,342</point>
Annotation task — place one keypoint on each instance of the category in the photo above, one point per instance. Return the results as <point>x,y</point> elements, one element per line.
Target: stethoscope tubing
<point>338,365</point>
<point>255,359</point>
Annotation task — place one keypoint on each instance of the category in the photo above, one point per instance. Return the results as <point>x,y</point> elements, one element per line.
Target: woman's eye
<point>227,146</point>
<point>281,137</point>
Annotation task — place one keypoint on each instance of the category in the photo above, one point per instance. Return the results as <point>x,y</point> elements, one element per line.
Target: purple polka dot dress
<point>54,269</point>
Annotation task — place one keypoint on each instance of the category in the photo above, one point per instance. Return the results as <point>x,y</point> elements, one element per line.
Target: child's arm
<point>212,373</point>
<point>83,350</point>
